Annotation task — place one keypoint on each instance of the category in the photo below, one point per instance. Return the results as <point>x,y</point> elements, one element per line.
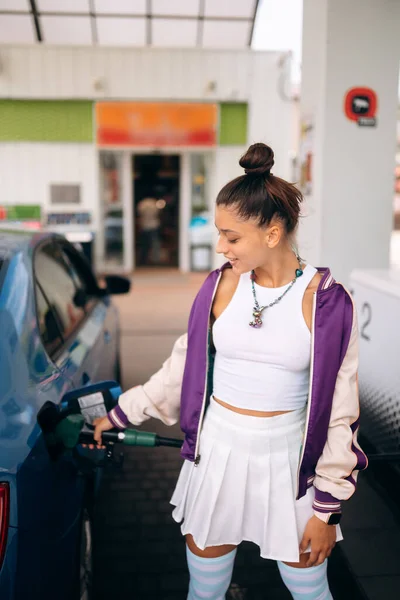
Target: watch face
<point>334,518</point>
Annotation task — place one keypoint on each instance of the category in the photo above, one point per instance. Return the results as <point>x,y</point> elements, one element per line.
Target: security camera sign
<point>360,105</point>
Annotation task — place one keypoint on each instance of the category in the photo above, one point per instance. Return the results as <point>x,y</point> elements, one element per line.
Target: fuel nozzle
<point>69,424</point>
<point>131,437</point>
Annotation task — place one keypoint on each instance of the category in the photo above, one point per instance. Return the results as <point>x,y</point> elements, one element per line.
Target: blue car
<point>58,332</point>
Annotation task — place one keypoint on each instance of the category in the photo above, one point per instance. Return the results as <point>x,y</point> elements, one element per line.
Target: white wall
<point>350,210</point>
<point>270,112</point>
<point>28,169</point>
<point>65,72</point>
<point>364,214</point>
<point>313,110</point>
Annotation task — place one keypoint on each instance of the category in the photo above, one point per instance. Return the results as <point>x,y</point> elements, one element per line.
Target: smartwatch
<point>329,518</point>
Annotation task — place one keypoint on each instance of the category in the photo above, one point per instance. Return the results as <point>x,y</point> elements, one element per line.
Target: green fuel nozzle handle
<point>133,437</point>
<point>68,433</point>
<point>69,429</point>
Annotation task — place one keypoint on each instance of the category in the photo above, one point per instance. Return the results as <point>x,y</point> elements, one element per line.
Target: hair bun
<point>258,160</point>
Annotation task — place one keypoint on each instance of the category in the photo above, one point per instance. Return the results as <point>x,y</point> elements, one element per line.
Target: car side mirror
<point>117,284</point>
<point>80,298</point>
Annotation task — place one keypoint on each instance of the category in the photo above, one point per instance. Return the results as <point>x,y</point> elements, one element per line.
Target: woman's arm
<point>342,457</point>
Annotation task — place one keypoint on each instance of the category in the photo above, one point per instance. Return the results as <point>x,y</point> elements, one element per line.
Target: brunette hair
<point>259,194</point>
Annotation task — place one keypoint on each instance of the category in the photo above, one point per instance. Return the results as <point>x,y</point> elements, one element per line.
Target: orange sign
<point>156,124</point>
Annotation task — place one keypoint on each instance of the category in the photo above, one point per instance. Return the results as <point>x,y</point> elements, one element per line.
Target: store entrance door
<point>156,181</point>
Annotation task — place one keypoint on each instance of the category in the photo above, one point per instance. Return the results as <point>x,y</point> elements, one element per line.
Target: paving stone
<point>149,519</point>
<point>381,587</point>
<point>177,581</point>
<point>156,494</point>
<point>358,514</point>
<point>165,484</point>
<point>146,485</point>
<point>373,551</point>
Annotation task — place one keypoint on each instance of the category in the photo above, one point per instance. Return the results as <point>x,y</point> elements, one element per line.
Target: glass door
<point>201,213</point>
<point>156,194</point>
<point>111,238</point>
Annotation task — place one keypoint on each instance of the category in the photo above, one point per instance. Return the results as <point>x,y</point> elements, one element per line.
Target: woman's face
<point>243,243</point>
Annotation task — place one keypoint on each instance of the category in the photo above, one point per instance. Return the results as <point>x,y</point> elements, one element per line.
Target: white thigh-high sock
<point>209,577</point>
<point>306,584</point>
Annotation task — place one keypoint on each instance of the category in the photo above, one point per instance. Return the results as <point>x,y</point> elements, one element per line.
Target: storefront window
<point>112,209</point>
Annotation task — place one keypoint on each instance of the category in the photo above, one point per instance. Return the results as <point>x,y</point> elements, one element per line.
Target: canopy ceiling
<point>138,23</point>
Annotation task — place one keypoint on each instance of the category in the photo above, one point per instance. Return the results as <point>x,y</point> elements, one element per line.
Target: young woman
<point>265,382</point>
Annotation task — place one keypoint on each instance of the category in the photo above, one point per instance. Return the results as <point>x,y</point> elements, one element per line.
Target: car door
<point>50,492</point>
<point>72,320</point>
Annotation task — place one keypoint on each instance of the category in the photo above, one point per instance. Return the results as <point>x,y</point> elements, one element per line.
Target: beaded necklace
<point>257,310</point>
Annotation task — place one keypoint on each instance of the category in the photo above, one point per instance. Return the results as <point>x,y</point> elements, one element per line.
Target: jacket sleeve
<point>158,398</point>
<point>342,458</point>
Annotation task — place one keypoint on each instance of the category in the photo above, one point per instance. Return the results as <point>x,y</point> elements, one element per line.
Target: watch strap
<point>331,518</point>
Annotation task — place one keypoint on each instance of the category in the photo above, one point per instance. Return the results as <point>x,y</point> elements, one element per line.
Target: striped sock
<point>306,584</point>
<point>209,577</point>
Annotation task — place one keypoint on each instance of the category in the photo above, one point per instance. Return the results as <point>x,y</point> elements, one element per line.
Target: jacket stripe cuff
<point>325,503</point>
<point>118,418</point>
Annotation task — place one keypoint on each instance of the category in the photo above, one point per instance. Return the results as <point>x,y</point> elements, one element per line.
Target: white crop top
<point>264,369</point>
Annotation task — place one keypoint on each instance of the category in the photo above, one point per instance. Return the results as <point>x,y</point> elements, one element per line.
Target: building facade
<point>86,133</point>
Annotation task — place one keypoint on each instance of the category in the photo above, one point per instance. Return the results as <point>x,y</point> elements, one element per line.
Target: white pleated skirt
<point>244,487</point>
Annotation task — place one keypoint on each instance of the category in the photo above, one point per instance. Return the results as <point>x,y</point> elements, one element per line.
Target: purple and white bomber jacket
<point>330,456</point>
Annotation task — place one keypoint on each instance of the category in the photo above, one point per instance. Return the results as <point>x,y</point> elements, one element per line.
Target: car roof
<point>12,242</point>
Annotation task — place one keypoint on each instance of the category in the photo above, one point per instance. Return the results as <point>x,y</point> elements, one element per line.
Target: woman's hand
<point>102,424</point>
<point>322,538</point>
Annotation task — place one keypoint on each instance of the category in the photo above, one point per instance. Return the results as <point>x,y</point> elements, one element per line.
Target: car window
<point>48,326</point>
<point>83,277</point>
<point>57,283</point>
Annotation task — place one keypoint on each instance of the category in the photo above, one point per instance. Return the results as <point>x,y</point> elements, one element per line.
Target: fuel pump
<point>70,423</point>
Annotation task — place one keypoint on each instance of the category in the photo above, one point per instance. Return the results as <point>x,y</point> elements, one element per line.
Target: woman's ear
<point>274,235</point>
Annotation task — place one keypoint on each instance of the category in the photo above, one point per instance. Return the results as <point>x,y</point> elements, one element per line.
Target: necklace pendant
<point>257,319</point>
<point>257,310</point>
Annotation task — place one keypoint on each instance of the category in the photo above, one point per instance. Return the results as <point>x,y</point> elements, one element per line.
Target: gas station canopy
<point>158,23</point>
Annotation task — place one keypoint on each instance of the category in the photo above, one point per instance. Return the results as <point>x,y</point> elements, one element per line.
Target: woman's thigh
<point>211,551</point>
<point>302,564</point>
<point>216,551</point>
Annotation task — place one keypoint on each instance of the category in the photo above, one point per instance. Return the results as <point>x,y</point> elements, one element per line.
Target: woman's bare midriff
<point>251,413</point>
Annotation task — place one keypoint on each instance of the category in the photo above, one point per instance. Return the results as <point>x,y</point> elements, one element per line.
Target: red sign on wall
<point>360,105</point>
